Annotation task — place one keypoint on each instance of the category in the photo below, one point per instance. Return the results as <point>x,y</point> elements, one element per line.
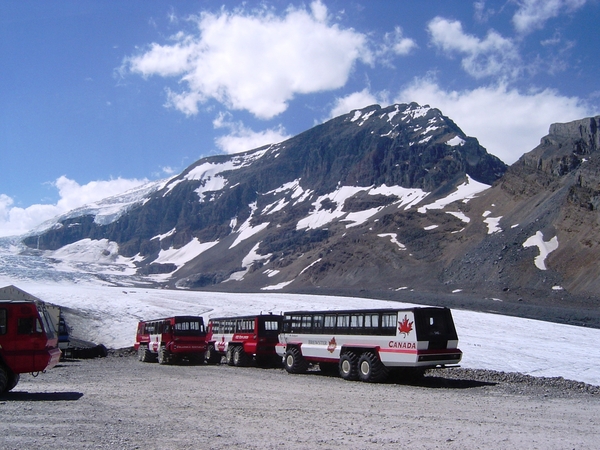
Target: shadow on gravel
<point>449,383</point>
<point>426,382</point>
<point>40,396</point>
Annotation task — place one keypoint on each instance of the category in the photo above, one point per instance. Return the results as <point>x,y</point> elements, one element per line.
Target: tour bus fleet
<point>366,345</point>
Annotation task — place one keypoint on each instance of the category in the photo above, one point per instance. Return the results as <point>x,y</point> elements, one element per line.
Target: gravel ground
<point>118,402</point>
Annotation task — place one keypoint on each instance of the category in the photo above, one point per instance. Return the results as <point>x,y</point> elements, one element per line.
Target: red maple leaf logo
<point>332,345</point>
<point>404,326</point>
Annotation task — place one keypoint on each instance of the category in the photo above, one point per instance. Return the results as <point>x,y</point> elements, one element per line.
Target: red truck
<point>28,341</point>
<point>240,339</point>
<point>171,339</point>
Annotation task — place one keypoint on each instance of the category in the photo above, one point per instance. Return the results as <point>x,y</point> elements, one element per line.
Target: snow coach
<point>172,339</point>
<point>368,345</point>
<point>242,339</point>
<point>28,341</point>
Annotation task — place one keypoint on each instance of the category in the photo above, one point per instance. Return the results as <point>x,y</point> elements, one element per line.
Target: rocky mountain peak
<point>383,201</point>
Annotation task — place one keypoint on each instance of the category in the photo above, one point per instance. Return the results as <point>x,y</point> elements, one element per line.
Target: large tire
<point>240,357</point>
<point>13,380</point>
<point>294,362</point>
<point>3,379</point>
<point>371,369</point>
<point>348,366</point>
<point>164,355</point>
<point>229,355</point>
<point>144,354</point>
<point>211,355</point>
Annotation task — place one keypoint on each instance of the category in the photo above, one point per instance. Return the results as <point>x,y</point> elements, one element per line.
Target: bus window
<point>306,324</point>
<point>435,324</point>
<point>269,327</point>
<point>343,323</point>
<point>329,324</point>
<point>356,321</point>
<point>371,321</point>
<point>318,323</point>
<point>188,328</point>
<point>388,323</point>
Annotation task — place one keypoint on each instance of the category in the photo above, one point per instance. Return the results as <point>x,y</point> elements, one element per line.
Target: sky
<point>100,97</point>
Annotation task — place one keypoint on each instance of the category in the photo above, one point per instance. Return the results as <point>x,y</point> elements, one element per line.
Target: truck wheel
<point>371,369</point>
<point>164,356</point>
<point>3,379</point>
<point>294,362</point>
<point>211,356</point>
<point>13,380</point>
<point>229,355</point>
<point>348,366</point>
<point>144,354</point>
<point>240,357</point>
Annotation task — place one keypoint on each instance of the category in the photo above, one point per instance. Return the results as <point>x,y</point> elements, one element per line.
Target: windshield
<point>47,322</point>
<point>189,328</point>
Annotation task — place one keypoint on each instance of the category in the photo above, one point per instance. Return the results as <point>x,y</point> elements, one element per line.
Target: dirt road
<point>120,403</point>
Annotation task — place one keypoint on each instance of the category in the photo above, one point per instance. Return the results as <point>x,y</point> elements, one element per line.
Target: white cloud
<point>242,138</point>
<point>506,122</point>
<point>15,220</point>
<point>396,43</point>
<point>494,56</point>
<point>356,100</point>
<point>255,61</point>
<point>533,14</point>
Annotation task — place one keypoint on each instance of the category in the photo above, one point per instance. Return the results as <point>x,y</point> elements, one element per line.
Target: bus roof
<point>364,311</point>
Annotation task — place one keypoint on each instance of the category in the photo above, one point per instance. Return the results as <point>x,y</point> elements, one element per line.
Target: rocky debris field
<point>118,402</point>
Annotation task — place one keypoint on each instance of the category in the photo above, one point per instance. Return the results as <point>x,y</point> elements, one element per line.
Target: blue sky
<point>100,96</point>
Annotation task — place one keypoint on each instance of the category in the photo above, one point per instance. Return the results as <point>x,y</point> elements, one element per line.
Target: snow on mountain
<point>106,210</point>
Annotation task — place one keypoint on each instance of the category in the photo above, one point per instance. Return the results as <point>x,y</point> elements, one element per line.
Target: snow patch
<point>320,216</point>
<point>493,224</point>
<point>394,238</point>
<point>309,266</point>
<point>545,248</point>
<point>276,287</point>
<point>464,193</point>
<point>180,256</point>
<point>246,230</point>
<point>456,141</point>
<point>460,215</point>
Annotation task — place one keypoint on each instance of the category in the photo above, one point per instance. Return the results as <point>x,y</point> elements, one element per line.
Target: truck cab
<point>28,341</point>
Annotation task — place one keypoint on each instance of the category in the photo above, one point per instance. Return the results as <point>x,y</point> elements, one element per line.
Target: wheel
<point>3,379</point>
<point>211,356</point>
<point>144,354</point>
<point>240,357</point>
<point>294,362</point>
<point>229,355</point>
<point>348,366</point>
<point>371,369</point>
<point>13,380</point>
<point>164,356</point>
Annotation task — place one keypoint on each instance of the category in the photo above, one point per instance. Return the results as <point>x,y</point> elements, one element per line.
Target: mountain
<point>394,203</point>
